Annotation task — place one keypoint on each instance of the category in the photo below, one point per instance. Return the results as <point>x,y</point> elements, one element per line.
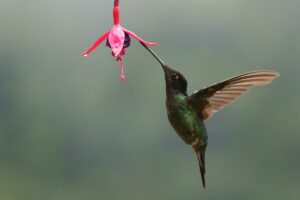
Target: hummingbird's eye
<point>175,76</point>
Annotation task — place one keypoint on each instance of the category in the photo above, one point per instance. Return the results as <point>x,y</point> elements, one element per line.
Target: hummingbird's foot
<point>195,143</point>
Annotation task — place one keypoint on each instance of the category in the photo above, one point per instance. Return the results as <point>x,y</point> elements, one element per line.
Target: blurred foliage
<point>69,129</point>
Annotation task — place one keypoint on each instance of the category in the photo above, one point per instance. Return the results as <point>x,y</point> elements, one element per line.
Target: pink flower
<point>117,39</point>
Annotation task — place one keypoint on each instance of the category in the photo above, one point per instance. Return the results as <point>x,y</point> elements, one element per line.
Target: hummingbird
<point>187,113</point>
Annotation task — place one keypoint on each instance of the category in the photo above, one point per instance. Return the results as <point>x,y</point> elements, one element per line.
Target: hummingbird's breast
<point>185,121</point>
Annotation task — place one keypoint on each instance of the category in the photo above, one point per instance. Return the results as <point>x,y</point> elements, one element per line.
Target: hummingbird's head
<point>175,81</point>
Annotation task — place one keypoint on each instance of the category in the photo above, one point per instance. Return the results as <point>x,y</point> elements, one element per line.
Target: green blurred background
<point>71,130</point>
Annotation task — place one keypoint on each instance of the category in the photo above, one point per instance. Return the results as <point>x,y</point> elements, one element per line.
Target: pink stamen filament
<point>122,76</point>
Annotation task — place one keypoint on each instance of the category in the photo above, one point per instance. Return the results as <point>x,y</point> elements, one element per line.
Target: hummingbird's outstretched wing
<point>209,100</point>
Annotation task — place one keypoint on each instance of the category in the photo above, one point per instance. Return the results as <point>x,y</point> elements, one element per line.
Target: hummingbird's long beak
<point>162,63</point>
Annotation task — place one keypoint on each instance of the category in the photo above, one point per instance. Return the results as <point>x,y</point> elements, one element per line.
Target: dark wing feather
<point>209,100</point>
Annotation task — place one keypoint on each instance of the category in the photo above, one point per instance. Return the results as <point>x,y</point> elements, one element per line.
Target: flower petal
<point>116,39</point>
<point>96,44</point>
<point>138,38</point>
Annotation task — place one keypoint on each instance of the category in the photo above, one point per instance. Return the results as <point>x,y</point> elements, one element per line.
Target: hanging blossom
<point>118,38</point>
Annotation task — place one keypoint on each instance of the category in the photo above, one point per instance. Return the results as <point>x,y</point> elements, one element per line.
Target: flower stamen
<point>122,76</point>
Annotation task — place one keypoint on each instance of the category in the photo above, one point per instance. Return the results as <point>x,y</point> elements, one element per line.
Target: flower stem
<point>116,4</point>
<point>154,54</point>
<point>116,13</point>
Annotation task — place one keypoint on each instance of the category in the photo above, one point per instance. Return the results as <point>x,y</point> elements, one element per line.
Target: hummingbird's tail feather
<point>201,160</point>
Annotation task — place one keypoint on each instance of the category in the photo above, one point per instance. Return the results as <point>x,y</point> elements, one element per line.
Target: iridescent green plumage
<point>184,117</point>
<point>188,113</point>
